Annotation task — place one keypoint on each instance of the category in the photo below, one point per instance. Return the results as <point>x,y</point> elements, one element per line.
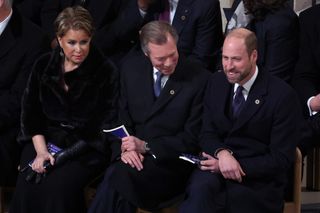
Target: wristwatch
<point>146,147</point>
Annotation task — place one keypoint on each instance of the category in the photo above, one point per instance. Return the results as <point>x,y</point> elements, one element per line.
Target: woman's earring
<point>61,52</point>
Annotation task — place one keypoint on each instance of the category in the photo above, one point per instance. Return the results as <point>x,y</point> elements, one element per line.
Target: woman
<point>71,94</point>
<point>277,28</point>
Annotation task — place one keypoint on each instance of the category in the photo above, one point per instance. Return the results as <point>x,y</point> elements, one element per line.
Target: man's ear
<point>254,55</point>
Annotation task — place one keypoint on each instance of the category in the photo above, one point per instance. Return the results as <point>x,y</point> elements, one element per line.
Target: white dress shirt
<point>5,22</point>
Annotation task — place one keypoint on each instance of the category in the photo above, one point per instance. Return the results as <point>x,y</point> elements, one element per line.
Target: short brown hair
<point>249,37</point>
<point>75,18</point>
<point>156,32</point>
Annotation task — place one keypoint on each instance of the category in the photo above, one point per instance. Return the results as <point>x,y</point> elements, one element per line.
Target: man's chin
<point>232,80</point>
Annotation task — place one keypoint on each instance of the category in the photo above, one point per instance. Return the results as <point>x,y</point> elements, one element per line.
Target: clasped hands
<point>132,150</point>
<point>227,165</point>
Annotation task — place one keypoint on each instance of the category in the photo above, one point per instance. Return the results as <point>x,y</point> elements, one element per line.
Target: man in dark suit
<point>146,171</point>
<point>31,9</point>
<point>276,26</point>
<point>20,43</point>
<point>198,23</point>
<point>306,80</point>
<point>248,136</point>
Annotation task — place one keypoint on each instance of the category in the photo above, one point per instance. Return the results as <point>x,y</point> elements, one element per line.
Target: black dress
<point>65,118</point>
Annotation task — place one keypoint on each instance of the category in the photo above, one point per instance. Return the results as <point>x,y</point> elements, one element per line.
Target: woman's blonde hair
<point>75,18</point>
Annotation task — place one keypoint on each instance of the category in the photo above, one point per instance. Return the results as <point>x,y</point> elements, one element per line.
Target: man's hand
<point>133,158</point>
<point>211,164</point>
<point>132,143</point>
<point>229,166</point>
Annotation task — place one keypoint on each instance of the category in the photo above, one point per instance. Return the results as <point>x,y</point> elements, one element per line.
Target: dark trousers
<point>108,200</point>
<point>205,193</point>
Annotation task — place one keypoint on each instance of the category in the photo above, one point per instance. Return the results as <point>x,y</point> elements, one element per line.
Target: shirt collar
<point>5,22</point>
<point>247,86</point>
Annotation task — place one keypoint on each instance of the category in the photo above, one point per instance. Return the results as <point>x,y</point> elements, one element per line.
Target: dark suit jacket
<point>169,124</point>
<point>31,9</point>
<point>263,138</point>
<point>307,72</point>
<point>20,44</point>
<point>278,41</point>
<point>199,26</point>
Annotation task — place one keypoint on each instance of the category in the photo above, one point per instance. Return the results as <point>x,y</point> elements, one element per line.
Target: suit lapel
<point>8,37</point>
<point>144,84</point>
<point>182,14</point>
<point>171,89</point>
<point>254,102</point>
<point>224,98</point>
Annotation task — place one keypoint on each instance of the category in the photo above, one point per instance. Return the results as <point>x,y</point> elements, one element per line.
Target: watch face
<point>146,146</point>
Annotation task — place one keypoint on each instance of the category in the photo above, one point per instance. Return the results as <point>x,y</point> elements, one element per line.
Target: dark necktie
<point>157,84</point>
<point>165,14</point>
<point>238,102</point>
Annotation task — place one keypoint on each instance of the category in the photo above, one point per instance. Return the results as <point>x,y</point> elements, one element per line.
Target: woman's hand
<point>39,161</point>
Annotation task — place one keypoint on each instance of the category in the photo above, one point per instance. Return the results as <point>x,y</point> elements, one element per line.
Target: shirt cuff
<point>311,112</point>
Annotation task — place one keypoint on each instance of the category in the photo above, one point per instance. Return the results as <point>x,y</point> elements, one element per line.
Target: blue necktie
<point>157,85</point>
<point>238,102</point>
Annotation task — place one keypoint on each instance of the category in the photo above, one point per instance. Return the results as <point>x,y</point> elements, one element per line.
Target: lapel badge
<point>172,92</point>
<point>183,18</point>
<point>257,101</point>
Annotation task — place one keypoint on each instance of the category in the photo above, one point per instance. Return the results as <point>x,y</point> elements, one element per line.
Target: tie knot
<point>239,90</point>
<point>159,74</point>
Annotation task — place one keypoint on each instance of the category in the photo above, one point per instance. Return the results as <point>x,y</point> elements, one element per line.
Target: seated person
<point>306,79</point>
<point>21,42</point>
<point>71,92</point>
<point>248,135</point>
<point>161,105</point>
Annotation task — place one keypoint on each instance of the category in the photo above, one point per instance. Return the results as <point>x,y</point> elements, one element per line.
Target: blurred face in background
<point>76,46</point>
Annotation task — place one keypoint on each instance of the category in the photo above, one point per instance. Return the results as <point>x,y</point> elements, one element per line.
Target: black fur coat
<point>63,117</point>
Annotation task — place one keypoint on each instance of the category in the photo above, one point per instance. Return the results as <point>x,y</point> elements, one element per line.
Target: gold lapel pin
<point>257,101</point>
<point>172,92</point>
